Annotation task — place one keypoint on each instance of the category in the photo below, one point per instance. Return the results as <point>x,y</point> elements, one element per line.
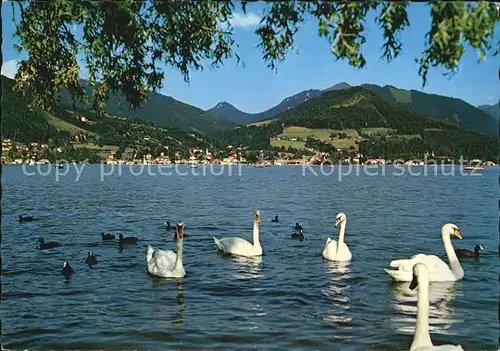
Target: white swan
<point>340,251</point>
<point>167,264</point>
<point>439,271</point>
<point>241,247</point>
<point>422,339</point>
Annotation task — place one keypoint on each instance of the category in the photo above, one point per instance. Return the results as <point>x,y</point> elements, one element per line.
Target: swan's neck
<point>455,266</point>
<point>256,242</point>
<point>422,336</point>
<point>341,234</point>
<point>178,260</point>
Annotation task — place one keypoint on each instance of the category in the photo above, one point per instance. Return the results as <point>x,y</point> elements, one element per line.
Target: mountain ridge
<point>160,109</point>
<point>492,110</point>
<point>228,111</point>
<point>448,109</point>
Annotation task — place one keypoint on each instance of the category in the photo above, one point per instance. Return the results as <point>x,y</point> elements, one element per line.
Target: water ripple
<point>288,299</point>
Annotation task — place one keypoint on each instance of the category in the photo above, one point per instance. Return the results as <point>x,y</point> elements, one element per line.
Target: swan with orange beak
<point>439,271</point>
<point>167,264</point>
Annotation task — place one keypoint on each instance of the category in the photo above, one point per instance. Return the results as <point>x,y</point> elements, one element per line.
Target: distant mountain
<point>231,113</point>
<point>448,109</point>
<point>162,110</point>
<point>338,86</point>
<point>376,127</point>
<point>361,109</point>
<point>492,110</point>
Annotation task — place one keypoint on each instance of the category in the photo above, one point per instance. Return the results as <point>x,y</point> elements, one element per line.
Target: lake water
<point>290,299</point>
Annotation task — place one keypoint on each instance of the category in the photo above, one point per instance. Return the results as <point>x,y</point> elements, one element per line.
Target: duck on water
<point>91,259</point>
<point>23,219</point>
<point>469,253</point>
<point>67,270</point>
<point>43,245</point>
<point>128,240</point>
<point>298,235</point>
<point>107,236</point>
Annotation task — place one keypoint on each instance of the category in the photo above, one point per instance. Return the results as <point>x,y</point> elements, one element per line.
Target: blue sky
<point>254,87</point>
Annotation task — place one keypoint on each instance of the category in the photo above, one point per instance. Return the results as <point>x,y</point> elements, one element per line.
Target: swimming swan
<point>340,252</point>
<point>439,271</point>
<point>422,339</point>
<point>241,247</point>
<point>167,264</point>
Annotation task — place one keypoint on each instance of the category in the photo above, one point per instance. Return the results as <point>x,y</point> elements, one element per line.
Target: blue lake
<point>290,299</point>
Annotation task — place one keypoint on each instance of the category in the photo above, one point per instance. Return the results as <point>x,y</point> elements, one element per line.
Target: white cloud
<point>250,19</point>
<point>9,68</point>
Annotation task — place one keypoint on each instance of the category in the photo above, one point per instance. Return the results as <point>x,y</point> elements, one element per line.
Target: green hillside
<point>161,110</point>
<point>21,123</point>
<point>82,132</point>
<point>448,109</point>
<point>383,129</point>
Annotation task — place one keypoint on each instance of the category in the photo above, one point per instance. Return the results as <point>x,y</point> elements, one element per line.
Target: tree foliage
<point>124,42</point>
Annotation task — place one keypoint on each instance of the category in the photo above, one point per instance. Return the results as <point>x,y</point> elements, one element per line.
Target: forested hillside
<point>448,109</point>
<point>162,110</point>
<point>406,134</point>
<point>21,123</point>
<point>86,133</point>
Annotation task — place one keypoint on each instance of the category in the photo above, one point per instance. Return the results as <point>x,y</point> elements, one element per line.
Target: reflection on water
<point>178,318</point>
<point>441,295</point>
<point>288,299</point>
<point>337,291</point>
<point>247,267</point>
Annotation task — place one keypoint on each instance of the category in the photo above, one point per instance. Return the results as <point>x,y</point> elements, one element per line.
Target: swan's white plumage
<point>439,348</point>
<point>166,263</point>
<point>234,245</point>
<point>439,271</point>
<point>162,263</point>
<point>422,339</point>
<point>241,247</point>
<point>334,251</point>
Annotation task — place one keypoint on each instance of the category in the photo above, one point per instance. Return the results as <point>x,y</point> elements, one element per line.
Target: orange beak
<point>180,231</point>
<point>456,232</point>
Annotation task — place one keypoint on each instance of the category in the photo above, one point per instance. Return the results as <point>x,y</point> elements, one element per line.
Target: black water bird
<point>107,236</point>
<point>67,270</point>
<point>298,235</point>
<point>50,245</point>
<point>469,253</point>
<point>91,259</point>
<point>128,240</point>
<point>275,220</point>
<point>26,219</point>
<point>168,226</point>
<point>297,227</point>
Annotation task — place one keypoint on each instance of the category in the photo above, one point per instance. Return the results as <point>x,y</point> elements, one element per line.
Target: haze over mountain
<point>492,110</point>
